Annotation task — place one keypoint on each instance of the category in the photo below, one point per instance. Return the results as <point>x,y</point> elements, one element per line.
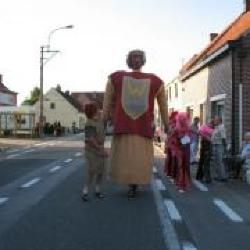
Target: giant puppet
<point>129,100</point>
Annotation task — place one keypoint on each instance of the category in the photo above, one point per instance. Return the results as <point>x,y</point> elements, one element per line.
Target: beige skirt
<point>131,159</point>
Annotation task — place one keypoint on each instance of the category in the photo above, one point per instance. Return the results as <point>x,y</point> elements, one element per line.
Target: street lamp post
<point>43,61</point>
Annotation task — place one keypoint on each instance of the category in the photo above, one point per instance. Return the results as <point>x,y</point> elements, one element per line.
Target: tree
<point>34,97</point>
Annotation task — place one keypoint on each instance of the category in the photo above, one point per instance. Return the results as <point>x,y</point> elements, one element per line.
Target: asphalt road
<point>40,206</point>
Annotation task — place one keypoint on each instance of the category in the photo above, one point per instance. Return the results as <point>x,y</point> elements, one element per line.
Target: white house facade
<point>60,107</point>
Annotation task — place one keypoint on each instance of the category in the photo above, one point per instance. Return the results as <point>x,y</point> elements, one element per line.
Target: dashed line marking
<point>227,210</point>
<point>160,185</point>
<point>188,246</point>
<point>172,210</point>
<point>31,183</point>
<point>78,154</point>
<point>12,156</point>
<point>200,186</point>
<point>54,169</point>
<point>41,144</point>
<point>3,200</point>
<point>12,150</point>
<point>68,160</point>
<point>29,151</point>
<point>169,233</point>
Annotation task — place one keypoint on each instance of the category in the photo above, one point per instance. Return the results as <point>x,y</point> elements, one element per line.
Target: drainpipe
<point>240,115</point>
<point>233,104</point>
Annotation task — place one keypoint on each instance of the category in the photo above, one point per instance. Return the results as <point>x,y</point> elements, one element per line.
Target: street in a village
<point>159,91</point>
<point>41,208</point>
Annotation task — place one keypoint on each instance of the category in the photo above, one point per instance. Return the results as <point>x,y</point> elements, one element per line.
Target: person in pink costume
<point>182,152</point>
<point>170,147</point>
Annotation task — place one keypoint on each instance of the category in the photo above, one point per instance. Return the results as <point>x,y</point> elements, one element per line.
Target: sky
<point>170,32</point>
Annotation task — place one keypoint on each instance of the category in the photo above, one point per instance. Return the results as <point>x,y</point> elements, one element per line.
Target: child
<point>94,151</point>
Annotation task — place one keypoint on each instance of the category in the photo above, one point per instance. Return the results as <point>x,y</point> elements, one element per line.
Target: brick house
<point>7,97</point>
<point>216,81</point>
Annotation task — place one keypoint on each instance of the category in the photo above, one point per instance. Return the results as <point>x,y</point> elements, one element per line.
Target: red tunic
<point>134,102</point>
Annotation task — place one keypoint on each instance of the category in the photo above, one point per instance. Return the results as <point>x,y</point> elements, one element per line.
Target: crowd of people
<point>211,143</point>
<point>50,129</point>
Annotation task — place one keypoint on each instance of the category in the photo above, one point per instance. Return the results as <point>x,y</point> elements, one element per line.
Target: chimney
<point>213,36</point>
<point>247,5</point>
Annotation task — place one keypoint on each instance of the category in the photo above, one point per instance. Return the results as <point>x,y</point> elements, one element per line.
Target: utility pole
<point>43,61</point>
<point>41,92</point>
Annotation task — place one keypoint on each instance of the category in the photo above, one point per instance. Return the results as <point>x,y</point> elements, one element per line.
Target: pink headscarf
<point>205,130</point>
<point>183,123</point>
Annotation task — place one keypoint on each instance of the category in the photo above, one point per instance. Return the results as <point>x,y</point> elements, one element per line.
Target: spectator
<point>203,171</point>
<point>218,141</point>
<point>194,139</point>
<point>242,159</point>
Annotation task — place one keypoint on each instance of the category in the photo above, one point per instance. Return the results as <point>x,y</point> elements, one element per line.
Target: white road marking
<point>155,170</point>
<point>12,156</point>
<point>227,210</point>
<point>172,210</point>
<point>78,154</point>
<point>68,160</point>
<point>54,169</point>
<point>12,150</point>
<point>29,151</point>
<point>40,144</point>
<point>200,186</point>
<point>160,185</point>
<point>3,200</point>
<point>169,233</point>
<point>30,183</point>
<point>188,246</point>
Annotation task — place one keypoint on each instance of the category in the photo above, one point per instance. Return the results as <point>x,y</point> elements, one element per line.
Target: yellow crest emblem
<point>135,94</point>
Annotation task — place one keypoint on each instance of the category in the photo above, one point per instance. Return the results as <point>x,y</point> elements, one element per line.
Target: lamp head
<point>69,27</point>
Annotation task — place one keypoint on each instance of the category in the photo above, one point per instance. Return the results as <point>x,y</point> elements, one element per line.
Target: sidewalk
<point>10,142</point>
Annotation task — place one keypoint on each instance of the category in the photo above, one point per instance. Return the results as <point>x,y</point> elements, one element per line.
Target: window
<point>169,92</point>
<point>52,105</point>
<point>190,113</point>
<point>176,90</point>
<point>201,113</point>
<point>218,109</point>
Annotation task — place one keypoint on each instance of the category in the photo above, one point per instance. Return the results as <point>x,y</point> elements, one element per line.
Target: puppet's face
<point>136,59</point>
